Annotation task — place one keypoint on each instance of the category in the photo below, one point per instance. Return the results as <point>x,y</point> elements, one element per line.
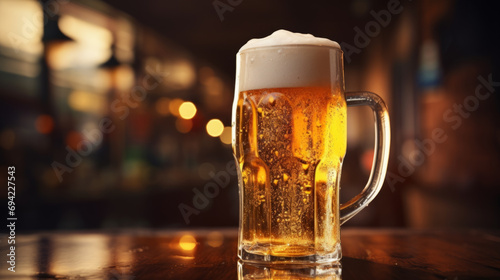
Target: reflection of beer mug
<point>289,140</point>
<point>247,271</point>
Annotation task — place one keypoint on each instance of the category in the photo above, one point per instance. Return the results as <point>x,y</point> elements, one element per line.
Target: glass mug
<point>289,141</point>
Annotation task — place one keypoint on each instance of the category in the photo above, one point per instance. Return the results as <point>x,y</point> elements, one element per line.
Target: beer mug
<point>289,141</point>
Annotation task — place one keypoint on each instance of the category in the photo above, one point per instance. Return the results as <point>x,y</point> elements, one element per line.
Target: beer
<point>289,141</point>
<point>293,141</point>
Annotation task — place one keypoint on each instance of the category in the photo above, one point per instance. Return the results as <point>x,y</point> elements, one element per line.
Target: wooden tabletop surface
<point>211,254</point>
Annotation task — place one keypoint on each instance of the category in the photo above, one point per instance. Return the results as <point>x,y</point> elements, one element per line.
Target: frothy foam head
<point>286,59</point>
<point>284,37</point>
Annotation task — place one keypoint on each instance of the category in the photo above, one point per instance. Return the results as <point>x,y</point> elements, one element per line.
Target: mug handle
<point>381,152</point>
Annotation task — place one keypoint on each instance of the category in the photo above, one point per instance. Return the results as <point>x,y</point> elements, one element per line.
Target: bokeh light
<point>226,136</point>
<point>17,18</point>
<point>187,110</point>
<point>44,124</point>
<point>187,242</point>
<point>182,74</point>
<point>215,239</point>
<point>87,102</point>
<point>174,106</point>
<point>86,33</point>
<point>215,127</point>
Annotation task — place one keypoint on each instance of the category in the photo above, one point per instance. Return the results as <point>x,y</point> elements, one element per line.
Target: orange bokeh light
<point>73,139</point>
<point>44,124</point>
<point>187,242</point>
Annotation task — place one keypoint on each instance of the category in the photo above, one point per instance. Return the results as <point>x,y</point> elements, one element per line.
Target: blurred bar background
<point>117,114</point>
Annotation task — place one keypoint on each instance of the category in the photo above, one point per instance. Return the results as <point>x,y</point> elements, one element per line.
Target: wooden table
<point>211,254</point>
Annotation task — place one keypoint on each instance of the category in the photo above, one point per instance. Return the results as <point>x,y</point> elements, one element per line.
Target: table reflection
<point>290,272</point>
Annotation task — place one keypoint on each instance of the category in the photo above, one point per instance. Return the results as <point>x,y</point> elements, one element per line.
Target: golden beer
<point>292,143</point>
<point>289,141</point>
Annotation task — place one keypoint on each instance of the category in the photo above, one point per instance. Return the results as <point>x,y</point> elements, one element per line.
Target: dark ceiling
<point>196,25</point>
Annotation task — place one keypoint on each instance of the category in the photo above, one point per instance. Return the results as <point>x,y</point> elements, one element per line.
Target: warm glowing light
<point>215,239</point>
<point>187,110</point>
<point>77,258</point>
<point>87,102</point>
<point>64,55</point>
<point>215,128</point>
<point>92,46</point>
<point>183,126</point>
<point>21,28</point>
<point>123,77</point>
<point>44,124</point>
<point>86,33</point>
<point>226,136</point>
<point>162,106</point>
<point>181,74</point>
<point>174,106</point>
<point>187,242</point>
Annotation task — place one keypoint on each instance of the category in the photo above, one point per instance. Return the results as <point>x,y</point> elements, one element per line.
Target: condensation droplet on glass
<point>307,189</point>
<point>285,178</point>
<point>271,100</point>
